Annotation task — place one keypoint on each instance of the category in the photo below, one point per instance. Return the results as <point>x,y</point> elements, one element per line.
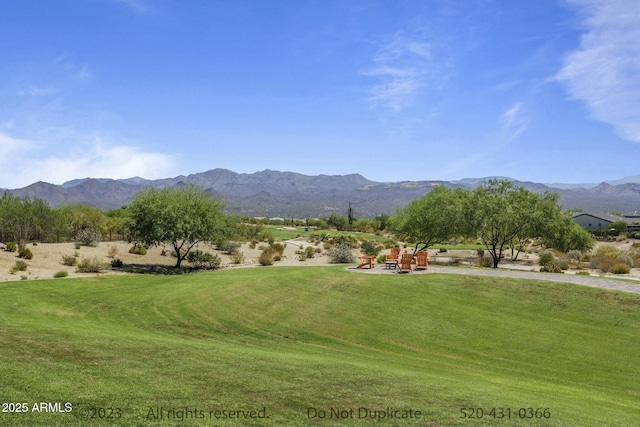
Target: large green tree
<point>432,219</point>
<point>181,216</point>
<point>502,214</point>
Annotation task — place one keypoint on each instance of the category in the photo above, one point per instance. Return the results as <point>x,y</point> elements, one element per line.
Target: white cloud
<point>514,121</point>
<point>404,66</point>
<point>605,72</point>
<point>25,162</point>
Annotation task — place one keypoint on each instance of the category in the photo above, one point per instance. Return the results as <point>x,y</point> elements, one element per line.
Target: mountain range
<point>272,193</point>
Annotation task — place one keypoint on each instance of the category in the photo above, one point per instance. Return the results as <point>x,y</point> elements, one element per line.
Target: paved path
<point>597,282</point>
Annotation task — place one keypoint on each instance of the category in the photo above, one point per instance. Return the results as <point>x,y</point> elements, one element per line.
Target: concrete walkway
<point>596,282</point>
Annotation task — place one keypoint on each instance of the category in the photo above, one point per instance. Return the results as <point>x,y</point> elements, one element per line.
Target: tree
<point>566,235</point>
<point>77,217</point>
<point>23,218</point>
<point>434,218</point>
<point>338,221</point>
<point>502,214</point>
<point>182,216</point>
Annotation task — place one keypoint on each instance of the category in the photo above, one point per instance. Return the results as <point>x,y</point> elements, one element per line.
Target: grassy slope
<point>292,338</point>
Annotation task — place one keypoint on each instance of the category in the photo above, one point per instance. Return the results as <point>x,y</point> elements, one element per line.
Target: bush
<point>60,274</point>
<point>69,260</point>
<point>18,266</point>
<point>25,253</point>
<point>486,261</point>
<point>91,265</point>
<point>88,237</point>
<point>237,257</point>
<point>265,259</point>
<point>200,259</point>
<point>582,273</point>
<point>606,258</point>
<point>278,247</point>
<point>546,257</point>
<point>551,267</point>
<point>230,247</point>
<point>117,263</point>
<point>621,268</point>
<point>138,249</point>
<point>341,254</point>
<point>11,247</point>
<point>370,248</point>
<point>112,251</point>
<point>310,251</point>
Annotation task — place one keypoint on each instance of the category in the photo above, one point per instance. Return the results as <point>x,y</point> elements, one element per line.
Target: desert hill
<point>273,193</point>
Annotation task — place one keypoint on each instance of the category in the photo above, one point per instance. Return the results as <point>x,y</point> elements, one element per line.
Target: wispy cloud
<point>605,72</point>
<point>514,121</point>
<point>135,5</point>
<point>403,67</point>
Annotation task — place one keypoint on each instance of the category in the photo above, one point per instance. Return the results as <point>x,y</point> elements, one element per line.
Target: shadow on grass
<point>159,269</point>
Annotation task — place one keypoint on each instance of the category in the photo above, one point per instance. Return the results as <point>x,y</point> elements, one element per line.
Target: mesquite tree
<point>181,216</point>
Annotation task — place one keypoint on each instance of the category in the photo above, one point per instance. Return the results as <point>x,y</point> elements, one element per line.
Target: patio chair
<point>365,259</point>
<point>391,260</point>
<point>422,260</point>
<point>405,263</point>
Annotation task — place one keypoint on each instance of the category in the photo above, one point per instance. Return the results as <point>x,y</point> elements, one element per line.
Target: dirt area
<point>47,259</point>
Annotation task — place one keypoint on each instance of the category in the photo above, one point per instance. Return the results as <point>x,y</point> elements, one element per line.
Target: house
<point>593,222</point>
<point>602,222</point>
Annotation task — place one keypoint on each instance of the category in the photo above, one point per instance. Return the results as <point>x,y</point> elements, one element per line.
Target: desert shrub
<point>60,274</point>
<point>574,255</point>
<point>69,260</point>
<point>278,247</point>
<point>621,268</point>
<point>237,257</point>
<point>486,261</point>
<point>112,251</point>
<point>25,253</point>
<point>200,259</point>
<point>607,257</point>
<point>582,273</point>
<point>277,257</point>
<point>302,256</point>
<point>88,237</point>
<point>546,257</point>
<point>551,267</point>
<point>310,252</point>
<point>563,264</point>
<point>138,249</point>
<point>91,265</point>
<point>11,247</point>
<point>18,266</point>
<point>267,236</point>
<point>381,259</point>
<point>230,247</point>
<point>265,259</point>
<point>341,254</point>
<point>77,245</point>
<point>370,248</point>
<point>117,263</point>
<point>252,244</point>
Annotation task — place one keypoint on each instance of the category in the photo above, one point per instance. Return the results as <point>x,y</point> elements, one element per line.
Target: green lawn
<point>290,343</point>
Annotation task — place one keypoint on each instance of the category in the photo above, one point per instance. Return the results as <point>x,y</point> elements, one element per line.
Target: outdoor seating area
<point>395,262</point>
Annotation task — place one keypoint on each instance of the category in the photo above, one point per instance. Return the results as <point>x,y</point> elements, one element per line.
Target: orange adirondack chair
<point>391,260</point>
<point>422,260</point>
<point>365,259</point>
<point>405,263</point>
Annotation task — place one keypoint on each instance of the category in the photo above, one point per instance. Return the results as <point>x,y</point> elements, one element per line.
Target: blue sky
<point>539,90</point>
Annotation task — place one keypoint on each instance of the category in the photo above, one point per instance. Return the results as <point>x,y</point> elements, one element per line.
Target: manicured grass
<point>300,339</point>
